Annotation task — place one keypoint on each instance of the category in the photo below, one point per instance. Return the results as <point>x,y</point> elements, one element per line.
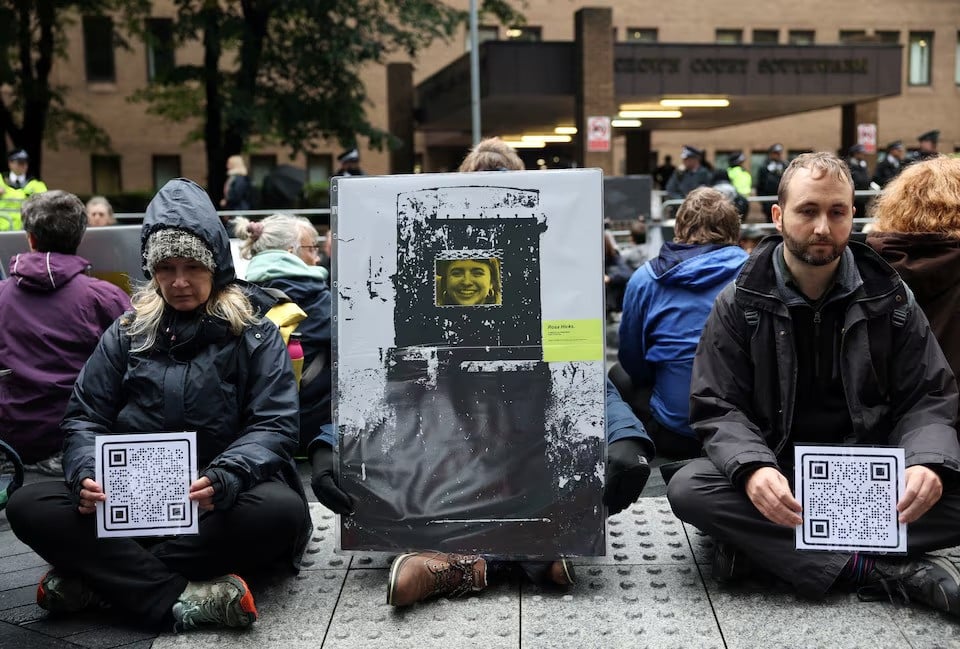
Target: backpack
<point>288,316</point>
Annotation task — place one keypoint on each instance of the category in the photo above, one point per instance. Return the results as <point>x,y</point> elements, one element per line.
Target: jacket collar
<point>758,284</point>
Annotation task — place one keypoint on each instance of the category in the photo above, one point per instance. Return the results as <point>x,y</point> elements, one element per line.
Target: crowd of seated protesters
<point>699,361</point>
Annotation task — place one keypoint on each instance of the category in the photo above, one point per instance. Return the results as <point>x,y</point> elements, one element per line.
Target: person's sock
<point>855,572</point>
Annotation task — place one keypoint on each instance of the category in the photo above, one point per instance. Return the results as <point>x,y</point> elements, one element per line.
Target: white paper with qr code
<point>849,497</point>
<point>146,478</point>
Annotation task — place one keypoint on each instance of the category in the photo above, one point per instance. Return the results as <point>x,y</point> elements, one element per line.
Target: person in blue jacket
<point>665,307</point>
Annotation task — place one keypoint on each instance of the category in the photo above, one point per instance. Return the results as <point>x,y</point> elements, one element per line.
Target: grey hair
<point>57,220</point>
<point>101,200</point>
<point>276,232</point>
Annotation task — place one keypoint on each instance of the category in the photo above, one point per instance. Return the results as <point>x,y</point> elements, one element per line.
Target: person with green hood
<point>283,253</point>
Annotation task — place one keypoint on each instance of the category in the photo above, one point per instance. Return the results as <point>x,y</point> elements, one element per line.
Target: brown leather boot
<point>415,577</point>
<point>561,573</point>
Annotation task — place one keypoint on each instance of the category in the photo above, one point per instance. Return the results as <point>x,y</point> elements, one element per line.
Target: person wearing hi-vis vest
<point>17,187</point>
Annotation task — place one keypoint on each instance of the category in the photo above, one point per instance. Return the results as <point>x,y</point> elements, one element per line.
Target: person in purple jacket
<point>52,316</point>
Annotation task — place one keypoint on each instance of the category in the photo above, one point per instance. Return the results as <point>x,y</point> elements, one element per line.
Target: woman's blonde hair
<point>492,154</point>
<point>276,232</point>
<point>925,197</point>
<point>229,304</point>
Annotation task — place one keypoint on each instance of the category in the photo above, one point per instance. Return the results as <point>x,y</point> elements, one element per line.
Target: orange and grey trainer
<point>418,576</point>
<point>225,601</point>
<point>58,593</point>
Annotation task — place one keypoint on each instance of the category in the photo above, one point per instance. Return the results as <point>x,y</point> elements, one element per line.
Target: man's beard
<point>802,249</point>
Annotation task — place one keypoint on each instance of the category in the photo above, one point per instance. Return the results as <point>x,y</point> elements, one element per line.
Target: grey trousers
<point>702,496</point>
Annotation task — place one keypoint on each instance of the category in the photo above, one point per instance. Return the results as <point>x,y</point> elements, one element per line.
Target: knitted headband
<point>168,243</point>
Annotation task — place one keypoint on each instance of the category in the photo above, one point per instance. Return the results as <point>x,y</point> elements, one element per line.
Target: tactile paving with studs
<point>778,620</point>
<point>662,606</point>
<point>364,619</point>
<point>293,614</point>
<point>646,532</point>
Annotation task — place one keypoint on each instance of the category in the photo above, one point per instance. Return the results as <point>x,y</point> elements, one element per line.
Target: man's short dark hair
<point>638,232</point>
<point>56,219</point>
<point>820,164</point>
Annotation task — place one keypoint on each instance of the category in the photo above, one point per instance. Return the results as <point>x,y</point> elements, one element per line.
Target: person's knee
<point>680,493</point>
<point>24,511</point>
<point>277,509</point>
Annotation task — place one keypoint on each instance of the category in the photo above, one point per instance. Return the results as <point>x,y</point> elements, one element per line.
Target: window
<point>160,60</point>
<point>165,168</point>
<point>105,170</point>
<point>956,74</point>
<point>758,158</point>
<point>920,53</point>
<point>98,48</point>
<point>319,168</point>
<point>526,33</point>
<point>484,33</point>
<point>801,37</point>
<point>729,36</point>
<point>890,37</point>
<point>766,36</point>
<point>852,35</point>
<point>642,34</point>
<point>260,167</point>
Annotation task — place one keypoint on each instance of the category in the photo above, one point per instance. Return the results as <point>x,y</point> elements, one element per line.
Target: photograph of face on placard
<point>469,282</point>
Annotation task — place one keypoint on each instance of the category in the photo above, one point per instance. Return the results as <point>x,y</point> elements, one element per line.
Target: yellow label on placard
<point>573,340</point>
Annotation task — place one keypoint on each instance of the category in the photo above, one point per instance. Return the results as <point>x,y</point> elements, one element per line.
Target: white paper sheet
<point>849,497</point>
<point>146,478</point>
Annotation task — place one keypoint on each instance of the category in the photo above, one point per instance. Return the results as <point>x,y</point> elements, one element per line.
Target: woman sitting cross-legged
<point>193,355</point>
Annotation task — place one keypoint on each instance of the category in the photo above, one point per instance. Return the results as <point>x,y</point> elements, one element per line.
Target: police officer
<point>16,187</point>
<point>692,175</point>
<point>768,180</point>
<point>928,146</point>
<point>349,163</point>
<point>888,169</point>
<point>739,177</point>
<point>861,176</point>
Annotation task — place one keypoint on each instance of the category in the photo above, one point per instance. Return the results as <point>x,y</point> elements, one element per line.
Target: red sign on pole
<point>598,134</point>
<point>867,136</point>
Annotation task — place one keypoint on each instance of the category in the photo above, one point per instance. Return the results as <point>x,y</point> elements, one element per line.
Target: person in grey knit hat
<point>194,354</point>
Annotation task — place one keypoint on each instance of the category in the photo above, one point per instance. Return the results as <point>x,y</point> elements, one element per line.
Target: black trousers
<point>144,577</point>
<point>702,496</point>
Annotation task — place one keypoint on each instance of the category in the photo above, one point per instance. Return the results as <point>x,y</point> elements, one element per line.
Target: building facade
<point>644,43</point>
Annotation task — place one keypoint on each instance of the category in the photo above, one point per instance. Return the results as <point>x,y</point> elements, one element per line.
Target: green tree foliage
<point>32,33</point>
<point>288,71</point>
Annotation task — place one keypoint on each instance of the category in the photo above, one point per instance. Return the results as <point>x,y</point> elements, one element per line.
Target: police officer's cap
<point>19,156</point>
<point>687,151</point>
<point>896,144</point>
<point>775,148</point>
<point>736,158</point>
<point>857,148</point>
<point>349,156</point>
<point>930,136</point>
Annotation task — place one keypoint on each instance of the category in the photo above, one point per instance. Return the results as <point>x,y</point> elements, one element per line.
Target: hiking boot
<point>224,601</point>
<point>930,580</point>
<point>53,465</point>
<point>58,593</point>
<point>561,573</point>
<point>415,577</point>
<point>728,564</point>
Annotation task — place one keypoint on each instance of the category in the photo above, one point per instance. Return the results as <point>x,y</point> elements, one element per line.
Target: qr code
<point>147,484</point>
<point>849,500</point>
